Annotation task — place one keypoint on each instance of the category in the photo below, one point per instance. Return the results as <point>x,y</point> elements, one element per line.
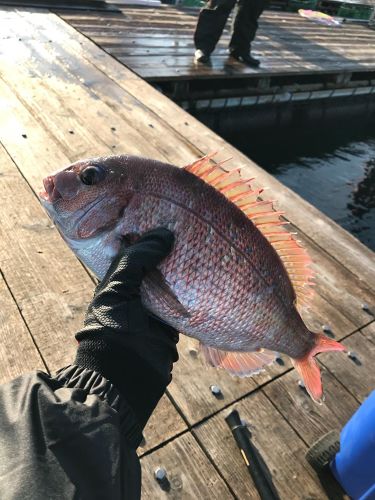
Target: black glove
<point>120,339</point>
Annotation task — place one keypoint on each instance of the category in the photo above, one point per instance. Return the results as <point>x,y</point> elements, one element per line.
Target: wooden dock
<point>296,54</point>
<point>64,98</point>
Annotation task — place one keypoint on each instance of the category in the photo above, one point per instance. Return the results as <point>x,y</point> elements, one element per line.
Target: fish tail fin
<point>308,368</point>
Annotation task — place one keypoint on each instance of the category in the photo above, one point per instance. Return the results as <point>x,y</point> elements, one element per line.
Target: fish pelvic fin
<point>308,369</point>
<point>241,364</point>
<point>234,184</point>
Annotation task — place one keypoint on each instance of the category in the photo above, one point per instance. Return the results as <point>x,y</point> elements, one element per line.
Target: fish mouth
<point>51,193</point>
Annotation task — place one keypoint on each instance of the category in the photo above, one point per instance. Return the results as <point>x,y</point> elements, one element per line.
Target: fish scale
<point>224,282</point>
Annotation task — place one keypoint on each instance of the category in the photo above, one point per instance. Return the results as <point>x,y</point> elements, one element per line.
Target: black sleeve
<point>67,437</point>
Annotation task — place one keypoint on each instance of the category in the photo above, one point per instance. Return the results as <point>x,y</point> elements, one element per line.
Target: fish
<point>236,278</point>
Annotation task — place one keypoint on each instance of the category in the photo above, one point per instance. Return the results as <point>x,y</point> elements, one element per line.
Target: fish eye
<point>92,175</point>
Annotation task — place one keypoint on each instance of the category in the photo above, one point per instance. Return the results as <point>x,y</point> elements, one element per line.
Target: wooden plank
<point>357,373</point>
<point>185,30</point>
<point>190,473</point>
<point>156,66</point>
<point>369,332</point>
<point>72,120</point>
<point>129,41</point>
<point>137,128</point>
<point>18,352</point>
<point>164,424</point>
<point>339,287</point>
<point>182,21</point>
<point>192,379</point>
<point>311,420</point>
<point>280,447</point>
<point>31,147</point>
<point>119,49</point>
<point>50,286</point>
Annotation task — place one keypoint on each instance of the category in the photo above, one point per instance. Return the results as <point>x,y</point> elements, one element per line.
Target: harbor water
<point>327,157</point>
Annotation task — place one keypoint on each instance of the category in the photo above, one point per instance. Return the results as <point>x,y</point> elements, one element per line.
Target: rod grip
<point>242,437</point>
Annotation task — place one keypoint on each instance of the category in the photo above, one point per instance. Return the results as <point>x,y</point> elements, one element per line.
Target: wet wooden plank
<point>355,372</point>
<point>285,32</point>
<point>164,424</point>
<point>280,447</point>
<point>18,353</point>
<point>190,473</point>
<point>311,420</point>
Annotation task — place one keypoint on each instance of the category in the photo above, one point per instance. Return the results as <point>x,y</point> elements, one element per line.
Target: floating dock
<point>64,97</point>
<point>300,60</point>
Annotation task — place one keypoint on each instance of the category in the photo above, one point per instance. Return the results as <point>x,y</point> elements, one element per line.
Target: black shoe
<point>245,59</point>
<point>201,57</point>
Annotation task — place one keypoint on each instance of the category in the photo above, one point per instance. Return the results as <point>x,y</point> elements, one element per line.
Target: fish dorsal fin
<point>241,364</point>
<point>241,192</point>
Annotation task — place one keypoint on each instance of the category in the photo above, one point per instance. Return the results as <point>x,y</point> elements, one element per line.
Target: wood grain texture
<point>18,353</point>
<point>369,332</point>
<point>356,373</point>
<point>50,286</point>
<point>309,419</point>
<point>190,473</point>
<point>164,424</point>
<point>126,125</point>
<point>192,378</point>
<point>280,447</point>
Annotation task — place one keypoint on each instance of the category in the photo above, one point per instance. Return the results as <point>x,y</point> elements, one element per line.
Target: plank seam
<point>25,323</point>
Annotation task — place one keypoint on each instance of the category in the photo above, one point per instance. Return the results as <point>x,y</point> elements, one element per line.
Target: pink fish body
<point>225,282</point>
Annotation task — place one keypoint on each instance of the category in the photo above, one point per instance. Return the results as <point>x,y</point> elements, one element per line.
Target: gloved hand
<point>120,339</point>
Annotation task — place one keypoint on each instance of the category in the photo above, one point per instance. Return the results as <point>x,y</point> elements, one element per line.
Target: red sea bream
<point>235,274</point>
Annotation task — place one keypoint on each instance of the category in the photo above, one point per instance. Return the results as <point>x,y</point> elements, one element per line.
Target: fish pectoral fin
<point>241,364</point>
<point>160,289</point>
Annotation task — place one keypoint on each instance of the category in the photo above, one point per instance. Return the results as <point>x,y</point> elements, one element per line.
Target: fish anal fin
<point>241,364</point>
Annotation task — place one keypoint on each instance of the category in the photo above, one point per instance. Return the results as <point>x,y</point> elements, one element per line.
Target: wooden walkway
<point>63,98</point>
<point>157,44</point>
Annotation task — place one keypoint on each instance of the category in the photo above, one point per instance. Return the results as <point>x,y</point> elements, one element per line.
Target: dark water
<point>331,165</point>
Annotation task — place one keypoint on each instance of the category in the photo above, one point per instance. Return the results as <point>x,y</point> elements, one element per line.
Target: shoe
<point>245,59</point>
<point>201,57</point>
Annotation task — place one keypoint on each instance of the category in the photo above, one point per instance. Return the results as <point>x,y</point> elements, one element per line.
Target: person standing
<point>211,22</point>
